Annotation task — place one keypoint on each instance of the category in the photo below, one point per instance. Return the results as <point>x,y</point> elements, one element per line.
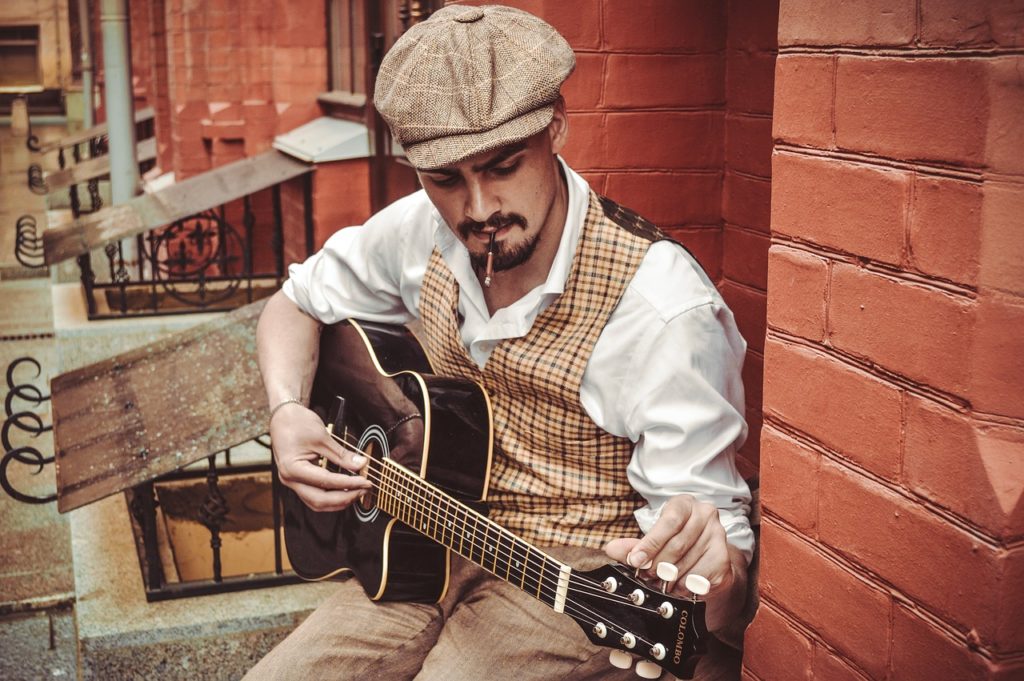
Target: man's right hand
<point>299,439</point>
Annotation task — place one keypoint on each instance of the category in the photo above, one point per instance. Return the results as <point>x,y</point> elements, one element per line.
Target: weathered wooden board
<point>188,197</point>
<point>87,134</point>
<point>150,411</point>
<point>95,168</point>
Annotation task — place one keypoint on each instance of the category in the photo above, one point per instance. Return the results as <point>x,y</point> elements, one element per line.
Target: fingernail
<point>637,559</point>
<point>358,459</point>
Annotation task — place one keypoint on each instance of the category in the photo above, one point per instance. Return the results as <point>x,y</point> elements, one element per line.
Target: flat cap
<point>471,79</point>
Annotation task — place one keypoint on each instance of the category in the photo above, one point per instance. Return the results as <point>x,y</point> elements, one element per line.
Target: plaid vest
<point>556,479</point>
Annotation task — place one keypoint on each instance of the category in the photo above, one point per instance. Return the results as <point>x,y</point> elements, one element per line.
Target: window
<point>19,57</point>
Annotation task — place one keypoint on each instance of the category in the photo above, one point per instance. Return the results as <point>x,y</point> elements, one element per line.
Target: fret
<point>475,547</point>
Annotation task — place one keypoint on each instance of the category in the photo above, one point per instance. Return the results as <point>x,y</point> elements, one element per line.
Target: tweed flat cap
<point>471,79</point>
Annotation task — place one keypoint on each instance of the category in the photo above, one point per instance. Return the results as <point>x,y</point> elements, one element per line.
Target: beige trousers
<point>484,629</point>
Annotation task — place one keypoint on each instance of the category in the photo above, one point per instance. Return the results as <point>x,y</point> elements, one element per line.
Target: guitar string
<point>575,580</point>
<point>484,549</point>
<point>584,613</point>
<point>543,581</point>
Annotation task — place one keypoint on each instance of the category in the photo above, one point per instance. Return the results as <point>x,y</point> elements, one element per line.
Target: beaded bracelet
<point>290,400</point>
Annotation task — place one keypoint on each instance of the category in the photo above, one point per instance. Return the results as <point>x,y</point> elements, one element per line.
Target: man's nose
<point>480,202</point>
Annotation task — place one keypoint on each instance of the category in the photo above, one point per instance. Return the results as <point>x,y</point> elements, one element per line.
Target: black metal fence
<point>216,260</point>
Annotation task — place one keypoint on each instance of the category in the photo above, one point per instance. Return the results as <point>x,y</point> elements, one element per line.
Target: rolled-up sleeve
<point>370,271</point>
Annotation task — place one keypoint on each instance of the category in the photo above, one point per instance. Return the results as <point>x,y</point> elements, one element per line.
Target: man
<point>611,362</point>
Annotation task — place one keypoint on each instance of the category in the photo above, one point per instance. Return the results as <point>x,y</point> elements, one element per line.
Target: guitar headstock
<point>616,610</point>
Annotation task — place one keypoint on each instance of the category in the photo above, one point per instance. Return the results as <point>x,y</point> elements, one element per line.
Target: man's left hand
<point>689,535</point>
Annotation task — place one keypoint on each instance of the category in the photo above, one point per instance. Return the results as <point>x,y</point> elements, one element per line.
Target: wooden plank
<point>95,168</point>
<point>188,197</point>
<point>152,410</point>
<point>87,134</point>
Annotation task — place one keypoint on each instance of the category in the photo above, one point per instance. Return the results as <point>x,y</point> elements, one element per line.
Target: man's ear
<point>558,128</point>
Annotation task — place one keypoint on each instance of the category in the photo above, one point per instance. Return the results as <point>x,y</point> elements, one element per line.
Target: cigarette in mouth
<point>489,273</point>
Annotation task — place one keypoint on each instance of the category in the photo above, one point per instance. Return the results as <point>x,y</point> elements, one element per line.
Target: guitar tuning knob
<point>667,573</point>
<point>646,669</point>
<point>697,585</point>
<point>620,659</point>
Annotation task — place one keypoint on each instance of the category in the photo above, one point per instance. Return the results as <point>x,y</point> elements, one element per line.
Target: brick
<point>705,243</point>
<point>642,81</point>
<point>835,22</point>
<point>583,150</point>
<point>847,612</point>
<point>597,182</point>
<point>663,26</point>
<point>753,25</point>
<point>852,208</point>
<point>803,100</point>
<point>969,467</point>
<point>645,140</point>
<point>1011,604</point>
<point>788,466</point>
<point>579,23</point>
<point>945,228</point>
<point>748,144</point>
<point>913,331</point>
<point>748,305</point>
<point>583,89</point>
<point>773,649</point>
<point>996,366</point>
<point>954,574</point>
<point>746,201</point>
<point>1005,134</point>
<point>750,81</point>
<point>829,667</point>
<point>968,23</point>
<point>913,109</point>
<point>1002,248</point>
<point>745,257</point>
<point>844,408</point>
<point>920,651</point>
<point>670,198</point>
<point>797,282</point>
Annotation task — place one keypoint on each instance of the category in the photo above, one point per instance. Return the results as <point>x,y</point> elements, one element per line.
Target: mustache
<point>498,221</point>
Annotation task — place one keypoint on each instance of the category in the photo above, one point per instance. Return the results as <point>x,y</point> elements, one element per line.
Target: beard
<point>506,256</point>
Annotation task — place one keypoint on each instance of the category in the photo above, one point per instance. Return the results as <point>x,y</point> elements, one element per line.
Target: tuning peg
<point>697,584</point>
<point>667,573</point>
<point>620,659</point>
<point>646,669</point>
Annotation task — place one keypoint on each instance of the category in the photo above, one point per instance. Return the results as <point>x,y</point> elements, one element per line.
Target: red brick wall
<point>894,426</point>
<point>240,72</point>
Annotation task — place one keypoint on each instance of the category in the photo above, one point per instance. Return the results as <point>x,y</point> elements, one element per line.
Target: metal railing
<point>212,261</point>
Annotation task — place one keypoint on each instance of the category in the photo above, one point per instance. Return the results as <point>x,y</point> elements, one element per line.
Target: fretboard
<point>435,514</point>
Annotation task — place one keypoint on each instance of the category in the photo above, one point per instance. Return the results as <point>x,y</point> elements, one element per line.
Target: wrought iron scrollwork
<point>28,422</point>
<point>36,181</point>
<point>189,254</point>
<point>212,515</point>
<point>28,244</point>
<point>32,142</point>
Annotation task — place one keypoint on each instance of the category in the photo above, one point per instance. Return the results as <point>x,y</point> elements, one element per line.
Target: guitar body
<point>393,407</point>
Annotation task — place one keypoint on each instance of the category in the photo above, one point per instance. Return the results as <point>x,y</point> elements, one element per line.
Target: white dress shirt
<point>665,371</point>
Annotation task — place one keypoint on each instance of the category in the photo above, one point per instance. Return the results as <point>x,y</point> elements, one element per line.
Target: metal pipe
<point>85,28</point>
<point>117,67</point>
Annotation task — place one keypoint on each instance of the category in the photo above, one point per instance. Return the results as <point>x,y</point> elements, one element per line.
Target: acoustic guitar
<point>428,442</point>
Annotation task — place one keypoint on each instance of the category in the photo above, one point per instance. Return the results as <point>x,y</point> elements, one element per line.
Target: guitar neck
<point>437,515</point>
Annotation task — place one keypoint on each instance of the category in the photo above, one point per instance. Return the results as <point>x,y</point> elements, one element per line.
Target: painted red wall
<point>894,425</point>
